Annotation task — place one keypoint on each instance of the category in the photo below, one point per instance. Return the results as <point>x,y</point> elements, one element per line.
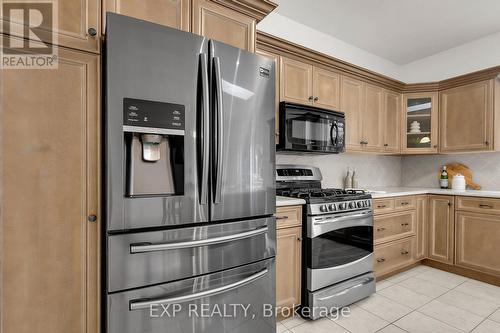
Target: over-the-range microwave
<point>309,129</point>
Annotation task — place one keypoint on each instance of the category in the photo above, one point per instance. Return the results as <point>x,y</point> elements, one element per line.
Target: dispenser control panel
<point>143,113</point>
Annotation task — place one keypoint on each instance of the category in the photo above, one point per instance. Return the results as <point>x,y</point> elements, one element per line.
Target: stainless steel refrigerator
<point>189,182</point>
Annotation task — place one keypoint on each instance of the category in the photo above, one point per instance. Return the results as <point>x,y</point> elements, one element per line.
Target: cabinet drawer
<point>381,206</point>
<point>404,203</point>
<point>288,216</point>
<point>393,226</point>
<point>393,255</point>
<point>480,205</point>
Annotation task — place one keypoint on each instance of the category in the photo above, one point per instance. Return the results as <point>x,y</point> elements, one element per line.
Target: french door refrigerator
<point>189,183</point>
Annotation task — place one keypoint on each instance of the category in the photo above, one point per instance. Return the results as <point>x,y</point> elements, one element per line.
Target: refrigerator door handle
<point>148,247</point>
<point>205,140</point>
<point>146,303</point>
<point>219,130</point>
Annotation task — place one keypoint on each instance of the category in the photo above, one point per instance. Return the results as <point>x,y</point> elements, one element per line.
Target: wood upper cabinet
<point>391,126</point>
<point>422,202</point>
<point>50,159</point>
<point>373,119</point>
<point>352,104</point>
<point>477,242</point>
<point>172,13</point>
<point>276,59</point>
<point>288,266</point>
<point>221,23</point>
<point>419,126</point>
<point>296,81</point>
<point>467,117</point>
<point>77,26</point>
<point>441,228</point>
<point>326,89</point>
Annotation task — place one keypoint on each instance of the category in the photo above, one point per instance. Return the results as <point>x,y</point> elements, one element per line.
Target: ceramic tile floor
<point>420,300</point>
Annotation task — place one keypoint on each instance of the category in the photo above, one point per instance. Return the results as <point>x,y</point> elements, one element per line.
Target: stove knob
<point>367,203</point>
<point>360,204</point>
<point>342,206</point>
<point>323,208</point>
<point>332,207</point>
<point>352,204</point>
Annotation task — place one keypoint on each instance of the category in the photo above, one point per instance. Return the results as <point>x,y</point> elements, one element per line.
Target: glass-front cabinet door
<point>420,123</point>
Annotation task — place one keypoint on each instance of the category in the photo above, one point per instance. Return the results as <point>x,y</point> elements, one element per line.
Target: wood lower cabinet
<point>172,13</point>
<point>467,117</point>
<point>477,239</point>
<point>221,23</point>
<point>391,126</point>
<point>422,217</point>
<point>288,255</point>
<point>388,227</point>
<point>352,104</point>
<point>50,159</point>
<point>393,256</point>
<point>326,89</point>
<point>441,228</point>
<point>276,58</point>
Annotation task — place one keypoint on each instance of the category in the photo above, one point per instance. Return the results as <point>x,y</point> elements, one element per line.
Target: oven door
<point>338,247</point>
<point>304,129</point>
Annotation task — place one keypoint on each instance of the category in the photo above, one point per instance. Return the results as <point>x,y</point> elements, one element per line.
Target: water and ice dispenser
<point>154,147</point>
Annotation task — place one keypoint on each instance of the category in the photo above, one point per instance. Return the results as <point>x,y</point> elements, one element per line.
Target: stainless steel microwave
<point>310,129</point>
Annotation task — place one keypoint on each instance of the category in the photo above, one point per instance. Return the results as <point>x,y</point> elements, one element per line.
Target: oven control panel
<point>337,207</point>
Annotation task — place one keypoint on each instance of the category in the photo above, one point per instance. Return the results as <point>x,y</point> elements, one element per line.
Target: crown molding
<point>257,9</point>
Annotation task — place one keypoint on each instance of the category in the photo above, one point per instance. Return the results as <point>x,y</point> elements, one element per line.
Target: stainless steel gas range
<point>337,253</point>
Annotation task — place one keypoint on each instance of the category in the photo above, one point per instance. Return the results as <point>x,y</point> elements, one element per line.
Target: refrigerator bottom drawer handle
<point>148,247</point>
<point>146,304</point>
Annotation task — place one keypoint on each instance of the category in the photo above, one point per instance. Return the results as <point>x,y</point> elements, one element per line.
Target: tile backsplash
<point>386,171</point>
<point>371,170</point>
<point>423,171</point>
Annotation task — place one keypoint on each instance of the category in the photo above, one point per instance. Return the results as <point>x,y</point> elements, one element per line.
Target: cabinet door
<point>441,228</point>
<point>351,103</point>
<point>466,122</point>
<point>477,242</point>
<point>223,24</point>
<point>75,19</point>
<point>326,89</point>
<point>288,266</point>
<point>51,166</point>
<point>391,126</point>
<point>276,59</point>
<point>419,127</point>
<point>373,119</point>
<point>422,220</point>
<point>172,13</point>
<point>295,81</point>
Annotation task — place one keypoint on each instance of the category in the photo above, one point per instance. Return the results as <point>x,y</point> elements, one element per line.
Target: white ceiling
<point>401,31</point>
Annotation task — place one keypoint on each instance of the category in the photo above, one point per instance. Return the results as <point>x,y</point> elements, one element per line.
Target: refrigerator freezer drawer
<point>178,307</point>
<point>142,259</point>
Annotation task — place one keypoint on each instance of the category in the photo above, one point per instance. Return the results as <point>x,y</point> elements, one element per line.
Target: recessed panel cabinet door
<point>392,116</point>
<point>295,81</point>
<point>466,122</point>
<point>351,103</point>
<point>441,228</point>
<point>50,237</point>
<point>77,26</point>
<point>223,24</point>
<point>326,88</point>
<point>422,225</point>
<point>288,266</point>
<point>172,13</point>
<point>373,119</point>
<point>276,59</point>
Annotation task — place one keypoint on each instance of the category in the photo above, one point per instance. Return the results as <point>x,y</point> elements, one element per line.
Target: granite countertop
<point>285,201</point>
<point>401,191</point>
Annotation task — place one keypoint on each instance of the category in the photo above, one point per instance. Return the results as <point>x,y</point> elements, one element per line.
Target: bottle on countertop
<point>348,179</point>
<point>443,182</point>
<point>355,183</point>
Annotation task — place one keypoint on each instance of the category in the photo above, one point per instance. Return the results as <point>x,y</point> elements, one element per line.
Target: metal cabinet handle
<point>92,218</point>
<point>380,259</point>
<point>148,247</point>
<point>146,303</point>
<point>363,142</point>
<point>381,206</point>
<point>405,203</point>
<point>381,229</point>
<point>435,146</point>
<point>299,239</point>
<point>485,206</point>
<point>281,217</point>
<point>316,98</point>
<point>405,224</point>
<point>386,145</point>
<point>404,252</point>
<point>311,98</point>
<point>487,143</point>
<point>92,32</point>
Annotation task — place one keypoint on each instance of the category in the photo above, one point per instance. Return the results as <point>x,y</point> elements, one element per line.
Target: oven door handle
<point>344,218</point>
<point>148,247</point>
<point>146,303</point>
<point>317,228</point>
<point>345,291</point>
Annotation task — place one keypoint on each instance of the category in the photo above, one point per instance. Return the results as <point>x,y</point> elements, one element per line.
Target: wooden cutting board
<point>454,168</point>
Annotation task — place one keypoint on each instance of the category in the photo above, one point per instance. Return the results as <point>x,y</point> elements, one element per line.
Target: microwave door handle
<point>147,303</point>
<point>334,125</point>
<point>219,130</point>
<point>205,140</point>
